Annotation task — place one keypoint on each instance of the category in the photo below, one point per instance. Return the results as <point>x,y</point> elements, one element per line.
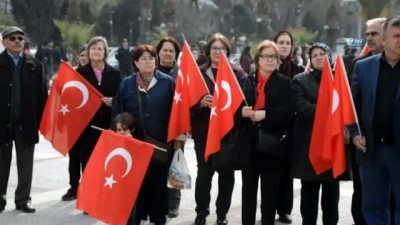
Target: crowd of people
<point>281,98</point>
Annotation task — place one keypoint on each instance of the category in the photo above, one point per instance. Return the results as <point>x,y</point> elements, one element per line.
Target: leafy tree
<point>126,18</point>
<point>302,35</point>
<point>37,19</point>
<point>75,34</point>
<point>243,20</point>
<point>373,8</point>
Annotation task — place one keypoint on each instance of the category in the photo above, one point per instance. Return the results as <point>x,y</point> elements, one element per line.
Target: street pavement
<point>50,182</point>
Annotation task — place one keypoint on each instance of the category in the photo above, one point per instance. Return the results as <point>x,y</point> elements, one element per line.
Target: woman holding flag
<point>148,95</point>
<point>270,108</point>
<point>306,87</point>
<point>200,116</point>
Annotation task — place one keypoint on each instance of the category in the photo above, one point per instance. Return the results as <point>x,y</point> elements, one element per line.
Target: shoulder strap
<point>140,106</point>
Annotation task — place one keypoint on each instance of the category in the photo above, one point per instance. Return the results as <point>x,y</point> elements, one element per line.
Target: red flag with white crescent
<point>113,177</point>
<point>71,105</point>
<point>227,98</point>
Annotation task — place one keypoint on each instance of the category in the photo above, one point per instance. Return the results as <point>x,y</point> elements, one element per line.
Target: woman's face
<point>195,54</point>
<point>146,63</point>
<point>317,58</point>
<point>97,52</point>
<point>284,45</point>
<point>83,59</point>
<point>215,51</point>
<point>167,54</point>
<point>268,60</point>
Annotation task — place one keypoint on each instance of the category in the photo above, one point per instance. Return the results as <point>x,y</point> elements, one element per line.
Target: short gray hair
<point>393,21</point>
<point>95,40</point>
<point>379,20</point>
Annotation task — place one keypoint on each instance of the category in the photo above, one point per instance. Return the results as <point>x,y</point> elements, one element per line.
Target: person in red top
<point>269,92</point>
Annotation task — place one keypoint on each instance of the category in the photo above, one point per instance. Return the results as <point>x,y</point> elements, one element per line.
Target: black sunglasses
<point>13,38</point>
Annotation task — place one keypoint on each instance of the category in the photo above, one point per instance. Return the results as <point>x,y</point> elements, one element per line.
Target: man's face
<point>374,37</point>
<point>14,43</point>
<point>125,44</point>
<point>392,41</point>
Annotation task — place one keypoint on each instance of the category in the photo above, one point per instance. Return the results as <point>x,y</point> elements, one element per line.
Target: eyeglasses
<point>269,57</point>
<point>13,38</point>
<point>320,54</point>
<point>214,48</point>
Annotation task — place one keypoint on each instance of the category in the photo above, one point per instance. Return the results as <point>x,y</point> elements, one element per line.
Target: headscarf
<point>327,50</point>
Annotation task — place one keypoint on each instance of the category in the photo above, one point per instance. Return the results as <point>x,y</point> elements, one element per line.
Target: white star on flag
<point>64,109</point>
<point>177,97</point>
<point>110,181</point>
<point>213,111</point>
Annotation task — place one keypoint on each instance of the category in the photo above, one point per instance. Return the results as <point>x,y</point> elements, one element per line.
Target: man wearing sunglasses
<point>23,94</point>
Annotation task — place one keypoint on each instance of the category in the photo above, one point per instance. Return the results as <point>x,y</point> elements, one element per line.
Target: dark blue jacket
<point>364,89</point>
<point>156,104</point>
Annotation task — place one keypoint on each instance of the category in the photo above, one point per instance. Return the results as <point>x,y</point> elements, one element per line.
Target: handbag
<point>159,155</point>
<point>273,145</point>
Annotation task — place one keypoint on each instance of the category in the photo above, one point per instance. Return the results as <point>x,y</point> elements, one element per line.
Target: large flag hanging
<point>189,89</point>
<point>322,111</point>
<point>342,113</point>
<point>227,98</point>
<point>71,105</point>
<point>113,176</point>
<point>365,50</point>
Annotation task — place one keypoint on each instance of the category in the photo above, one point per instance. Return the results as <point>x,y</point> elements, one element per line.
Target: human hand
<point>258,116</point>
<point>206,101</point>
<point>247,111</point>
<point>107,101</point>
<point>360,143</point>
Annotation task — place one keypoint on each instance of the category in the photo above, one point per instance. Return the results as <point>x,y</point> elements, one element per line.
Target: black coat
<point>108,88</point>
<point>33,97</point>
<point>305,87</point>
<point>279,107</point>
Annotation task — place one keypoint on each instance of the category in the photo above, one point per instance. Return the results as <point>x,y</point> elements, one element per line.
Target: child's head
<point>125,123</point>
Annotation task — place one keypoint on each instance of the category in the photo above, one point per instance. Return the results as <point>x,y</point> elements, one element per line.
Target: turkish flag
<point>71,105</point>
<point>189,88</point>
<point>365,50</point>
<point>227,98</point>
<point>113,176</point>
<point>322,111</point>
<point>342,113</point>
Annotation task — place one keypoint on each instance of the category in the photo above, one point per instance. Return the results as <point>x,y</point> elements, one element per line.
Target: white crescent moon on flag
<point>181,76</point>
<point>216,91</point>
<point>225,85</point>
<point>121,152</point>
<point>335,100</point>
<point>81,87</point>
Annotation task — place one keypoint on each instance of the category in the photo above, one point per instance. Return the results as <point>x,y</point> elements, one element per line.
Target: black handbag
<point>273,145</point>
<point>159,155</point>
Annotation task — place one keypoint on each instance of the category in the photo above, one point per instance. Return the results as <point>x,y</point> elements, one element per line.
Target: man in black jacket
<point>23,94</point>
<point>124,57</point>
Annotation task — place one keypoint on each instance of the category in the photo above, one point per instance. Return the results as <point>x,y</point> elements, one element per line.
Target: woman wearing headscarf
<point>306,89</point>
<point>269,92</point>
<point>289,68</point>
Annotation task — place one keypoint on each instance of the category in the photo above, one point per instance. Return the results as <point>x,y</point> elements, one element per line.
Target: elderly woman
<point>147,95</point>
<point>306,88</point>
<point>269,92</point>
<point>217,44</point>
<point>106,80</point>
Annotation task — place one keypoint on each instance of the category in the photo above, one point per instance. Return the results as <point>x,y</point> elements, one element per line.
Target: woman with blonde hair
<point>270,107</point>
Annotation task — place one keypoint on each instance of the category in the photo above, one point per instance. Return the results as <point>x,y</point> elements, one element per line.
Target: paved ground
<point>50,182</point>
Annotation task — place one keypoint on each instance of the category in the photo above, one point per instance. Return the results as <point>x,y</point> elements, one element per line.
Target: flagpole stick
<point>184,38</point>
<point>155,147</point>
